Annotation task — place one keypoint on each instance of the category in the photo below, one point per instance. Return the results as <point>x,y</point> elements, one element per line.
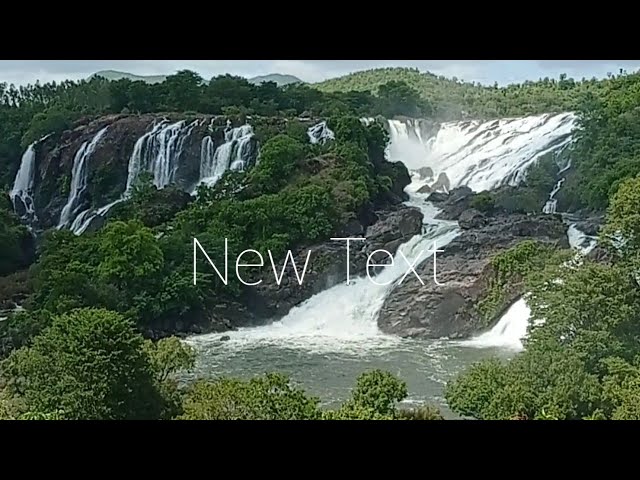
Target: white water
<point>344,317</point>
<point>552,204</point>
<point>231,155</point>
<point>22,191</point>
<point>327,341</point>
<point>320,133</point>
<point>79,175</point>
<point>158,152</point>
<point>480,155</point>
<point>508,332</point>
<point>581,241</point>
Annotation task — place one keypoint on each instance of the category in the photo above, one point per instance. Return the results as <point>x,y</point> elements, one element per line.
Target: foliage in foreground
<point>582,358</point>
<point>91,364</point>
<point>375,397</point>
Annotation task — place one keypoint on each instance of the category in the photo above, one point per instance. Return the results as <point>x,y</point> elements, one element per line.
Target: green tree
<point>183,91</point>
<point>375,397</point>
<point>278,159</point>
<point>580,352</point>
<point>271,397</point>
<point>131,256</point>
<point>623,219</point>
<point>89,364</point>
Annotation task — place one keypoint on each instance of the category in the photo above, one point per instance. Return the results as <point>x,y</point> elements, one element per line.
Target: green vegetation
<point>581,359</point>
<point>511,271</point>
<point>17,245</point>
<point>273,397</point>
<point>91,364</point>
<point>78,350</point>
<point>452,98</point>
<point>607,145</point>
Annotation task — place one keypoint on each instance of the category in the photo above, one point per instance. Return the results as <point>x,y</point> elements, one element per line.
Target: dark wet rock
<point>591,225</point>
<point>472,218</point>
<point>464,270</point>
<point>425,172</point>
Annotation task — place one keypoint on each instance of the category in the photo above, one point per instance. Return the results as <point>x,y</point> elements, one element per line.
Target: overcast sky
<point>484,71</point>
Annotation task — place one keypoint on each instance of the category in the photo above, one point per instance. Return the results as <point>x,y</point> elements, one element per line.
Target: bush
<point>425,412</point>
<point>483,202</point>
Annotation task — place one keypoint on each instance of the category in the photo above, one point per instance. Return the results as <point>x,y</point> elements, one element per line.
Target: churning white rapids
<point>327,341</point>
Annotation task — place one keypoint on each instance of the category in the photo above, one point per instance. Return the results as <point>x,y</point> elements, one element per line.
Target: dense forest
<point>80,348</point>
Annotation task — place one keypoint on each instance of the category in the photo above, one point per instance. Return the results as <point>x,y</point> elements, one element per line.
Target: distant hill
<point>454,98</point>
<point>114,75</point>
<point>278,78</point>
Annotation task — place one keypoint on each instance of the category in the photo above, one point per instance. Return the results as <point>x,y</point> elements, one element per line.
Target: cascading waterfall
<point>79,175</point>
<point>508,332</point>
<point>480,155</point>
<point>345,316</point>
<point>551,206</point>
<point>231,155</point>
<point>581,241</point>
<point>158,152</point>
<point>22,191</point>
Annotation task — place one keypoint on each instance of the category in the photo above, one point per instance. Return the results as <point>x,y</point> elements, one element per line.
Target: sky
<point>21,72</point>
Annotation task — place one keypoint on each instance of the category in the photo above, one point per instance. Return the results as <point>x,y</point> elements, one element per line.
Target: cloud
<point>484,71</point>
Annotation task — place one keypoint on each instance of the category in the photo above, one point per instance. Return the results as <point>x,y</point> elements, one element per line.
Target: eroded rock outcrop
<point>464,269</point>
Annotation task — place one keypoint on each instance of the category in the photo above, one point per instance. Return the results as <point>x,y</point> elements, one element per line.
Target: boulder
<point>471,218</point>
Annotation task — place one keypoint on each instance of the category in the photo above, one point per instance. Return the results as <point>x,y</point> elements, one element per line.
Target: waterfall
<point>320,133</point>
<point>233,154</point>
<point>207,152</point>
<point>79,175</point>
<point>158,152</point>
<point>581,241</point>
<point>480,155</point>
<point>22,191</point>
<point>508,332</point>
<point>345,316</point>
<point>551,206</point>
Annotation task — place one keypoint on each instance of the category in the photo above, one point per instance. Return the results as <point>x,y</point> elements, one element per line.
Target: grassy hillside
<point>453,98</point>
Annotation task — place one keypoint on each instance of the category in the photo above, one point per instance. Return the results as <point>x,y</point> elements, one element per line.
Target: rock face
<point>590,225</point>
<point>452,204</point>
<point>471,218</point>
<point>107,167</point>
<point>464,270</point>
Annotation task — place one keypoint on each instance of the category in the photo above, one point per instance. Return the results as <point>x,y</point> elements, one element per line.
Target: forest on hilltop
<point>452,99</point>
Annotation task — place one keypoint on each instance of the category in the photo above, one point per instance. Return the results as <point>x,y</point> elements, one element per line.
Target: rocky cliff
<point>465,271</point>
<point>108,167</point>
